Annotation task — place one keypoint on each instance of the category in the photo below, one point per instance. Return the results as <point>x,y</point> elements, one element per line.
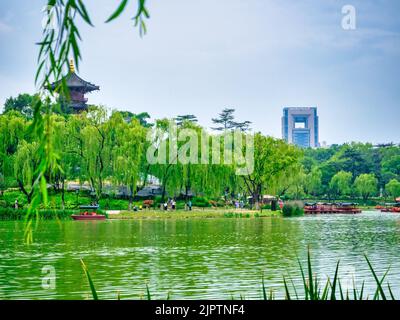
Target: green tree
<point>366,185</point>
<point>341,183</point>
<point>127,152</point>
<point>13,129</point>
<point>60,174</point>
<point>186,117</point>
<point>224,120</point>
<point>393,188</point>
<point>242,126</point>
<point>392,165</point>
<point>354,158</point>
<point>290,182</point>
<point>96,149</point>
<point>271,158</point>
<point>162,170</point>
<point>313,181</point>
<point>23,103</point>
<point>26,161</point>
<point>142,117</point>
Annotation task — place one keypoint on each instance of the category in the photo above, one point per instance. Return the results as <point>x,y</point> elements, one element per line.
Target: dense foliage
<point>352,169</point>
<point>108,150</point>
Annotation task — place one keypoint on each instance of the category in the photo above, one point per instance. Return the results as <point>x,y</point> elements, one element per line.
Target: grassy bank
<point>202,208</point>
<point>20,214</point>
<point>195,213</point>
<point>73,200</point>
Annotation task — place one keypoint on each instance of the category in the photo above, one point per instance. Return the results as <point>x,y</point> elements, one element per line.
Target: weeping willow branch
<point>60,40</point>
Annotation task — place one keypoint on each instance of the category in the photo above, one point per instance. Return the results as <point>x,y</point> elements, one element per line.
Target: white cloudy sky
<point>257,56</point>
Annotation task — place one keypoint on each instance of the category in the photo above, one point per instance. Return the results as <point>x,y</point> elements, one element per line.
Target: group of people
<point>239,204</point>
<point>171,203</point>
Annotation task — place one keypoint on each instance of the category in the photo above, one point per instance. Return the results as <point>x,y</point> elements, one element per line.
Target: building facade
<point>300,127</point>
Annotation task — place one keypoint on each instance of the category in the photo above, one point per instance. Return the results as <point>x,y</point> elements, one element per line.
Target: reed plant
<point>312,287</point>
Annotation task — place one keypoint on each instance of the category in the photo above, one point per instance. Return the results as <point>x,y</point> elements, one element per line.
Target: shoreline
<point>194,214</point>
<point>155,214</point>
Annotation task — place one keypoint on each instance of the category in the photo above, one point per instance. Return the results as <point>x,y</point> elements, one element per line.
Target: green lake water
<point>193,258</point>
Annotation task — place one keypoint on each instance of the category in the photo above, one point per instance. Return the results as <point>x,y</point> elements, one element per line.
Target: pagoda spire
<point>71,66</point>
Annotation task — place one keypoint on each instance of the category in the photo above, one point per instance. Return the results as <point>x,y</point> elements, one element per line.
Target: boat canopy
<point>347,204</point>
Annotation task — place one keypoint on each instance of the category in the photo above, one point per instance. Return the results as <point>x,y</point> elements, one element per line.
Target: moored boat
<point>391,207</point>
<point>387,207</point>
<point>85,215</point>
<point>88,217</point>
<point>327,208</point>
<point>348,208</point>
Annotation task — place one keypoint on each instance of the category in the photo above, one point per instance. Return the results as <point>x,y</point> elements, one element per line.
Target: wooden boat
<point>391,207</point>
<point>88,216</point>
<point>85,215</point>
<point>348,208</point>
<point>387,207</point>
<point>328,208</point>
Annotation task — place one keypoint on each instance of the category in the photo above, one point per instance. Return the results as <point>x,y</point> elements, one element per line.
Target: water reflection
<point>194,259</point>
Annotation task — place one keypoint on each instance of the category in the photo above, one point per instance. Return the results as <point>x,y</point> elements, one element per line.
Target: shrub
<point>228,214</point>
<point>3,204</point>
<point>157,201</point>
<point>180,205</point>
<point>201,202</point>
<point>292,209</point>
<point>115,204</point>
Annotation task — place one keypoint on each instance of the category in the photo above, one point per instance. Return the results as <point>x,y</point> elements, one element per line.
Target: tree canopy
<point>23,103</point>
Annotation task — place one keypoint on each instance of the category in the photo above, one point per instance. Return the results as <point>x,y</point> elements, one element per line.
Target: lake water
<point>193,258</point>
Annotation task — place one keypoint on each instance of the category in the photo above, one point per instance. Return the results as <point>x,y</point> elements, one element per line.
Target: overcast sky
<point>257,56</point>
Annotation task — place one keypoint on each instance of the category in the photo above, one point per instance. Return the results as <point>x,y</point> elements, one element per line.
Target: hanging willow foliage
<point>107,148</point>
<point>60,41</point>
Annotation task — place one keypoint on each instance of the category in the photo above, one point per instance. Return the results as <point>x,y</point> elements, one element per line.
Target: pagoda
<point>76,101</point>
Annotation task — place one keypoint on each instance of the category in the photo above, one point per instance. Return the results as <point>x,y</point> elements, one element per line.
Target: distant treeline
<point>353,169</point>
<point>99,147</point>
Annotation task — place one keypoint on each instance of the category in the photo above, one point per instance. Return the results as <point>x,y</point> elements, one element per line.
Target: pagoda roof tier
<point>75,82</point>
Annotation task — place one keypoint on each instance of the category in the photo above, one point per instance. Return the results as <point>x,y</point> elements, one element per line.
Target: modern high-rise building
<point>300,126</point>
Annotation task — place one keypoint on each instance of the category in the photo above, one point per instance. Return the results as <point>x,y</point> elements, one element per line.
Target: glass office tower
<point>300,126</point>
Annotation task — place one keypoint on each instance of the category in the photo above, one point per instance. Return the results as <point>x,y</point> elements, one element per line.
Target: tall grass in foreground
<point>312,288</point>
